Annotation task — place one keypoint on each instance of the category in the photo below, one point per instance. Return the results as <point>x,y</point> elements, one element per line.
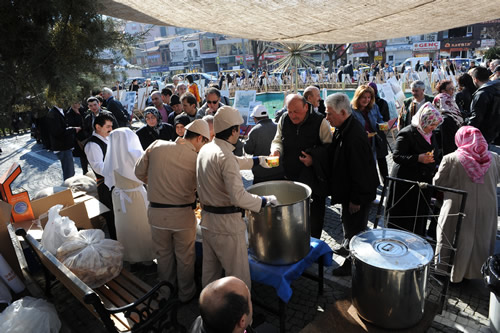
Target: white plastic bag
<point>91,257</point>
<point>30,314</point>
<point>57,230</point>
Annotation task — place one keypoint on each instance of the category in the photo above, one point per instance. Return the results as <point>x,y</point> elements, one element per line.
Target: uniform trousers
<point>225,251</point>
<point>175,254</point>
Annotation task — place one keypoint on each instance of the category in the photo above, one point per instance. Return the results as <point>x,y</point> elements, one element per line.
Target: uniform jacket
<point>220,185</point>
<point>169,169</point>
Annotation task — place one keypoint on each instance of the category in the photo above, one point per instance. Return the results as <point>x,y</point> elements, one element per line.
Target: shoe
<point>341,251</point>
<point>344,270</point>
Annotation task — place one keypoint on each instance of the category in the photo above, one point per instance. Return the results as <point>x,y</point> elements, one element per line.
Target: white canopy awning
<point>307,21</point>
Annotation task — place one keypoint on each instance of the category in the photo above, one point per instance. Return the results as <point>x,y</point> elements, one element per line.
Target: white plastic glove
<point>271,200</point>
<point>263,162</point>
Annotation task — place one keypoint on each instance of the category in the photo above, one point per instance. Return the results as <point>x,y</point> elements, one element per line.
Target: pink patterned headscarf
<point>473,153</point>
<point>427,115</point>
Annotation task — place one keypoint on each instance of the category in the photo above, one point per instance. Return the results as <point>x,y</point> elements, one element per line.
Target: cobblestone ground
<point>466,308</point>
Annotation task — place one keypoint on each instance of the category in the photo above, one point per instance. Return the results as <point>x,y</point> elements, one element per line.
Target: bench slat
<point>134,289</point>
<point>136,281</point>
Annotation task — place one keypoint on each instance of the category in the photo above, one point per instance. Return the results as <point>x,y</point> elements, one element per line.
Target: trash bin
<point>491,276</point>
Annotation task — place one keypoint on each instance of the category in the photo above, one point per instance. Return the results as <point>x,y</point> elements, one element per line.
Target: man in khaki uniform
<point>223,198</point>
<point>169,169</point>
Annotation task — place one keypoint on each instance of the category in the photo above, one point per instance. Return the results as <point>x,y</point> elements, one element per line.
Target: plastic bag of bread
<point>91,257</point>
<point>57,230</point>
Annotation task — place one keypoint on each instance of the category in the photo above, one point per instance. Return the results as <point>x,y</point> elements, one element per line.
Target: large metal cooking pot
<point>389,276</point>
<point>280,235</point>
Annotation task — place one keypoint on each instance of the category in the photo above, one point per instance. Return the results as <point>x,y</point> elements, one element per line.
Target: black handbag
<point>491,273</point>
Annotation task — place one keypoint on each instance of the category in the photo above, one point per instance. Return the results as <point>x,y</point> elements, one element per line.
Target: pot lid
<point>391,249</point>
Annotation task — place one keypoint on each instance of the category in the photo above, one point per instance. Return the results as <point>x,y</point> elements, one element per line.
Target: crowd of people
<point>186,152</point>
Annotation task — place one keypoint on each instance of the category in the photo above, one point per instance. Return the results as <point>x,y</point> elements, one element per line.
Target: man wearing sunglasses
<point>211,105</point>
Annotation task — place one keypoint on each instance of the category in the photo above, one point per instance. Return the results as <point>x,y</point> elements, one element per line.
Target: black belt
<point>160,205</point>
<point>224,210</point>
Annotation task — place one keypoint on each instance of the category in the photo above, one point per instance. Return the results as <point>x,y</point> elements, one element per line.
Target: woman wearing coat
<point>367,113</point>
<point>414,160</point>
<point>155,129</point>
<point>452,117</point>
<point>474,169</point>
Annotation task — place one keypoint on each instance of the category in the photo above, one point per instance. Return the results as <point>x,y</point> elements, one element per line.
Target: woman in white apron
<point>129,195</point>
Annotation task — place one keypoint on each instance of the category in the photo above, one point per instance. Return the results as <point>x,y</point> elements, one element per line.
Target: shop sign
<point>487,42</point>
<point>176,46</point>
<point>454,45</point>
<point>426,46</point>
<point>401,47</point>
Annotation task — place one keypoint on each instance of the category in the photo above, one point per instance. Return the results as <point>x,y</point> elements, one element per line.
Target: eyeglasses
<point>212,102</point>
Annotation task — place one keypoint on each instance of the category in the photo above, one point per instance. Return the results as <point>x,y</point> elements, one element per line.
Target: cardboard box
<point>6,248</point>
<point>79,207</point>
<point>84,210</point>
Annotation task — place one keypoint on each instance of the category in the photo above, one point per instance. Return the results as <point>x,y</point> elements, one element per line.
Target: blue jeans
<point>67,164</point>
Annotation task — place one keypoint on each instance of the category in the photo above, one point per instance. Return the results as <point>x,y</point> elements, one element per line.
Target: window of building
<point>457,32</point>
<point>163,31</point>
<point>445,34</point>
<point>195,53</point>
<point>469,30</point>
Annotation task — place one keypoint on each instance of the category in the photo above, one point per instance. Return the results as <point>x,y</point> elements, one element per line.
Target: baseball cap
<point>226,117</point>
<point>259,111</point>
<point>199,126</point>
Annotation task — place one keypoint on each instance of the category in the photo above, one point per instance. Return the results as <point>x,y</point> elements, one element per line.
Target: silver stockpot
<point>389,276</point>
<point>280,235</point>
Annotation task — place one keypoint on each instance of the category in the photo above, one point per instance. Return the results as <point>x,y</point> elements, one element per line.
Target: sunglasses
<point>212,102</point>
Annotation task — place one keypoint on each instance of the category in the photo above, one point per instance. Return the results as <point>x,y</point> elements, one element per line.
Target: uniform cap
<point>199,126</point>
<point>226,117</point>
<point>259,111</point>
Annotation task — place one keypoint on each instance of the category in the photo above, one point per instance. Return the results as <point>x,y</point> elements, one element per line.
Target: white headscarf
<point>124,149</point>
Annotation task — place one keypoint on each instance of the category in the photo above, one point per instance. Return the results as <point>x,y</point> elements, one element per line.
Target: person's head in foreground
<point>226,306</point>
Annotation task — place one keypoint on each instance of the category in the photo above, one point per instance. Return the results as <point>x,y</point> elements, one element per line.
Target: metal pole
<point>244,50</point>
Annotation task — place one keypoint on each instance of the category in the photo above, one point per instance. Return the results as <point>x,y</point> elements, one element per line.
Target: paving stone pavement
<point>466,308</point>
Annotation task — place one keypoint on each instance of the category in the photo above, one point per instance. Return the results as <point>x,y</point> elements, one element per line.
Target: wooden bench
<point>123,304</point>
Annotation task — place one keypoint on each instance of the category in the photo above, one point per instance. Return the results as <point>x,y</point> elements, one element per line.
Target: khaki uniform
<point>169,169</point>
<point>220,185</point>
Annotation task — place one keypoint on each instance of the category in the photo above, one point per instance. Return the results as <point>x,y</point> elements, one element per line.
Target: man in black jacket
<point>485,107</point>
<point>115,107</point>
<point>300,134</point>
<point>94,111</point>
<point>352,172</point>
<point>62,138</point>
